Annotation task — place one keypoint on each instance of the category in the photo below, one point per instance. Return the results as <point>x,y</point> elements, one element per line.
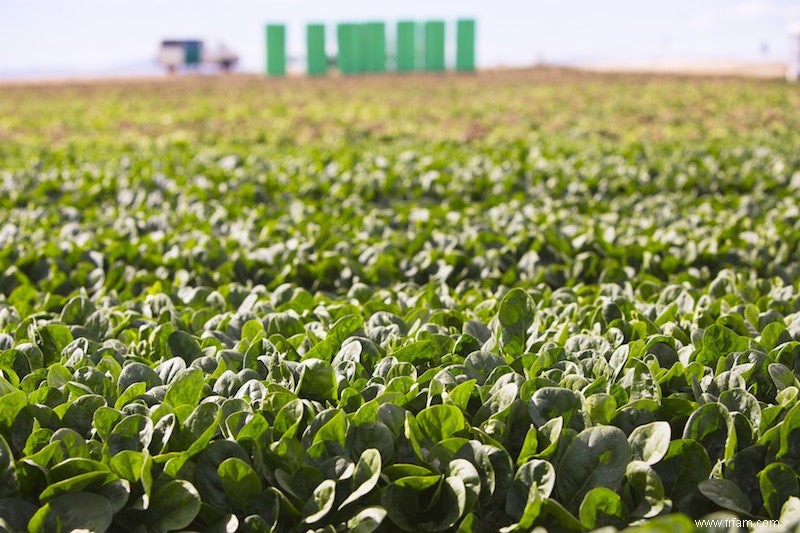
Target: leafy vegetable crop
<point>555,326</point>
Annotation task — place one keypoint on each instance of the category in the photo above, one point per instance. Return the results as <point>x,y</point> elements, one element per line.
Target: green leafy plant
<point>569,305</point>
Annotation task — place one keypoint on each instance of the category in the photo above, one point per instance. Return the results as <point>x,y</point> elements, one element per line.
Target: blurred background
<point>50,38</point>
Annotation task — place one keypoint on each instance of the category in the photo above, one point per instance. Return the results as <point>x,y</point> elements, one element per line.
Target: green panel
<point>377,47</point>
<point>342,55</point>
<point>276,49</point>
<point>434,46</point>
<point>357,48</point>
<point>315,41</point>
<point>349,38</point>
<point>465,45</point>
<point>191,52</point>
<point>363,46</point>
<point>406,46</point>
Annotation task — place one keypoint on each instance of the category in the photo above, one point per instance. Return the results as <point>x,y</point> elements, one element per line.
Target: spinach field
<point>425,303</point>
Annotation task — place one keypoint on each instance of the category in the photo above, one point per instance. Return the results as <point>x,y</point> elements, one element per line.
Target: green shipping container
<point>317,61</point>
<point>364,46</point>
<point>434,46</point>
<point>406,46</point>
<point>349,40</point>
<point>341,48</point>
<point>377,46</point>
<point>276,49</point>
<point>354,47</point>
<point>465,45</point>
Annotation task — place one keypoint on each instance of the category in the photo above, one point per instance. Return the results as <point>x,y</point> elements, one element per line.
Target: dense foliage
<point>550,304</point>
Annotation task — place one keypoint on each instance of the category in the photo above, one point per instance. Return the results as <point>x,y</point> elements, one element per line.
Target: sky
<point>57,37</point>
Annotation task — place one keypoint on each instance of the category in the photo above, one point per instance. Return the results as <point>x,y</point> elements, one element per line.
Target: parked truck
<point>176,54</point>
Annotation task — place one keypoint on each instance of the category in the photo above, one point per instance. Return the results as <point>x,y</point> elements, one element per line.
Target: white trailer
<point>192,53</point>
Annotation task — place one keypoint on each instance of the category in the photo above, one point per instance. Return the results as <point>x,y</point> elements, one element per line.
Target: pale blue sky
<point>107,36</point>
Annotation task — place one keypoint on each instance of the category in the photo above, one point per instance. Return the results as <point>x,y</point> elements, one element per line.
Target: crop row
<point>567,333</point>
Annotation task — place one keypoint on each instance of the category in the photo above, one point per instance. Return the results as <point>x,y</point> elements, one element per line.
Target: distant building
<point>192,53</point>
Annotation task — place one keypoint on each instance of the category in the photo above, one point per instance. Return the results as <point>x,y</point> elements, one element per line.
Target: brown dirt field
<point>712,69</point>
